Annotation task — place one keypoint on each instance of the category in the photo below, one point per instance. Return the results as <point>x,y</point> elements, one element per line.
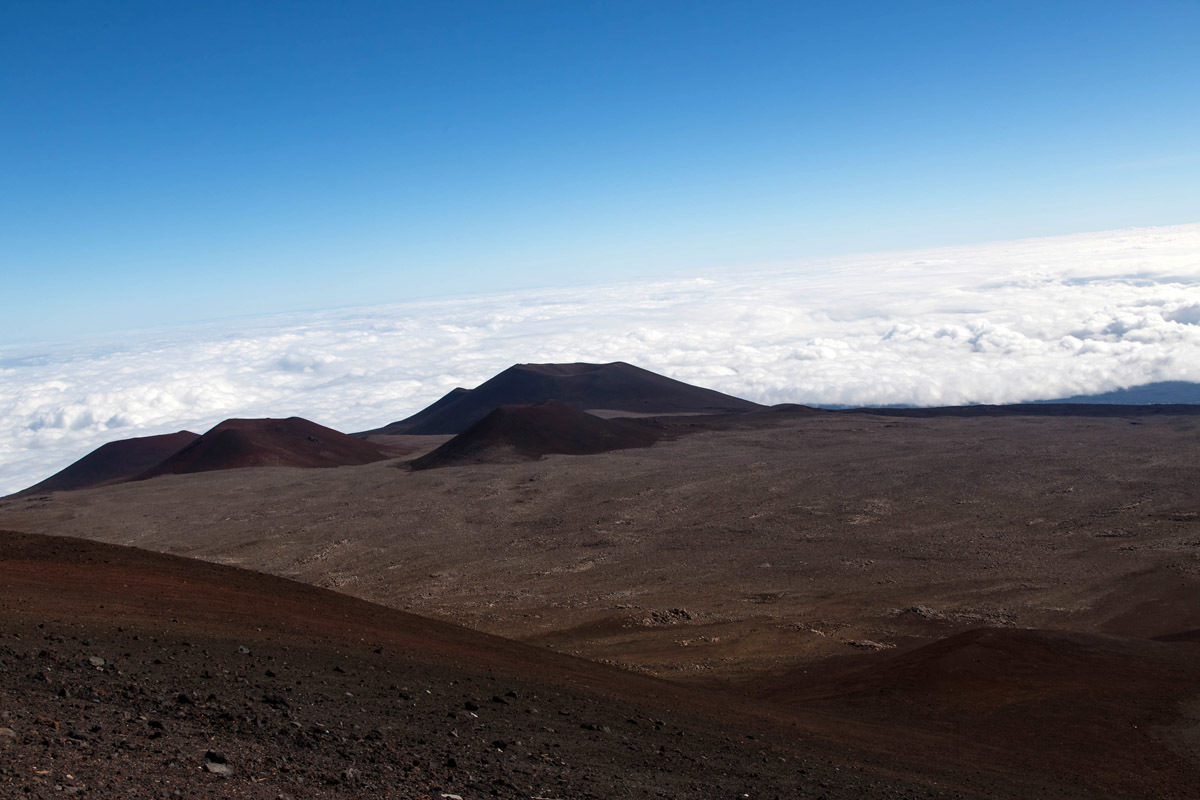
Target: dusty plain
<point>750,544</point>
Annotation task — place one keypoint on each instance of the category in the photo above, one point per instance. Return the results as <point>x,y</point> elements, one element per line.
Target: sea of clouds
<point>997,323</point>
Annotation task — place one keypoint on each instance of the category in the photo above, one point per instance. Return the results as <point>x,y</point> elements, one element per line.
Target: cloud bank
<point>998,323</point>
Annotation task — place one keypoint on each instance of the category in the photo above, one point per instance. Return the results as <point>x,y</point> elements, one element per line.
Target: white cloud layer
<point>999,323</point>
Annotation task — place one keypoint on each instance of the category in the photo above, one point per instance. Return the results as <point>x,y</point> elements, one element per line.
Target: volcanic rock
<point>216,763</point>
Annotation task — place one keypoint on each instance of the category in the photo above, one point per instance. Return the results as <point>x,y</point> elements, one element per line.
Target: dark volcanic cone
<point>614,387</point>
<point>528,432</point>
<point>291,442</point>
<point>114,462</point>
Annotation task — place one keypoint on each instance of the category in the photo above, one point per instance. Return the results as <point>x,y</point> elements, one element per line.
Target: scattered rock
<point>924,612</point>
<point>670,616</point>
<point>216,763</point>
<point>96,661</point>
<point>868,644</point>
<point>275,701</point>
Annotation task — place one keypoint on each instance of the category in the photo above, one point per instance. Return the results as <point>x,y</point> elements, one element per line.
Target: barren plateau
<point>739,546</point>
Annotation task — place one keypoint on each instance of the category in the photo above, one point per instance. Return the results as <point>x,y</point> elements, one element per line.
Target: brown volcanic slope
<point>526,433</point>
<point>130,674</point>
<point>615,386</point>
<point>1122,712</point>
<point>114,462</point>
<point>291,442</point>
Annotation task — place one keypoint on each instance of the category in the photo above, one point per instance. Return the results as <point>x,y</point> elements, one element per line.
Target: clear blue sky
<point>171,161</point>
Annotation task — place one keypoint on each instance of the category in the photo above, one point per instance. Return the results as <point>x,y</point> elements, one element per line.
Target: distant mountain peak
<point>615,386</point>
<point>114,462</point>
<point>289,442</point>
<point>233,443</point>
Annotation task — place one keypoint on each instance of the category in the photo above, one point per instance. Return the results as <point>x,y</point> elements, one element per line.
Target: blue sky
<point>167,162</point>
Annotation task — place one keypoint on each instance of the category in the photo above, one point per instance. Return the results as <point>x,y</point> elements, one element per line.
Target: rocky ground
<point>126,674</point>
<point>165,716</point>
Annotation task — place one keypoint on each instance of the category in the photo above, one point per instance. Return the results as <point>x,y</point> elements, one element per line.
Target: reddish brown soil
<point>1123,713</point>
<point>114,462</point>
<point>291,442</point>
<point>581,386</point>
<point>526,433</point>
<point>130,674</point>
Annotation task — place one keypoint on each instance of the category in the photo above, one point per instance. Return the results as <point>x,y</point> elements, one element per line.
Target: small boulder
<point>216,763</point>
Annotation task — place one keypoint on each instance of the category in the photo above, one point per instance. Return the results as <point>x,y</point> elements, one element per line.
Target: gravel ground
<point>128,674</point>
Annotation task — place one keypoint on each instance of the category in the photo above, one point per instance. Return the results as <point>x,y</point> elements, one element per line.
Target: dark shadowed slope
<point>528,432</point>
<point>114,462</point>
<point>616,386</point>
<point>411,424</point>
<point>1120,713</point>
<point>291,442</point>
